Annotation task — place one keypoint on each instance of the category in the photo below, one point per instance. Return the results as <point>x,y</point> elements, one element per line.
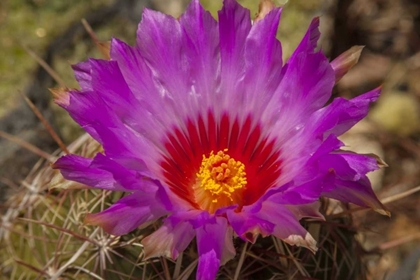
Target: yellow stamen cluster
<point>218,181</point>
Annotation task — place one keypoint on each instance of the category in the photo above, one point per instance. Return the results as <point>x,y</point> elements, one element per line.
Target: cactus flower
<point>202,124</point>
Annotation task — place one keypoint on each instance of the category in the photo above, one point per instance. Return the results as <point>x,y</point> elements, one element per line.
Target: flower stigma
<point>220,181</point>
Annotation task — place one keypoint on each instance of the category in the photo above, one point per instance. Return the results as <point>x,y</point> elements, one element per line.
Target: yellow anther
<point>220,181</point>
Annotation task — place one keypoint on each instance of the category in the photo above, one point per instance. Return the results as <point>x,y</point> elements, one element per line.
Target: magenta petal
<point>139,78</point>
<point>248,226</point>
<point>149,122</point>
<point>121,142</point>
<point>208,265</point>
<point>310,40</point>
<point>308,78</point>
<point>350,183</point>
<point>234,27</point>
<point>156,32</point>
<point>305,86</point>
<point>181,74</point>
<point>307,83</point>
<point>116,122</point>
<point>287,226</point>
<point>301,157</point>
<point>263,61</point>
<point>303,193</point>
<point>79,169</point>
<point>129,212</point>
<point>82,72</point>
<point>215,247</point>
<point>358,192</point>
<point>320,173</point>
<point>201,42</point>
<point>170,239</point>
<point>134,69</point>
<point>108,82</point>
<point>108,119</point>
<point>341,114</point>
<point>347,166</point>
<point>271,218</point>
<point>131,180</point>
<point>80,107</point>
<point>330,144</point>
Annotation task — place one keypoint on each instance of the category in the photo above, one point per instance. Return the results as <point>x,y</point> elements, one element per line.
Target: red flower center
<point>214,163</point>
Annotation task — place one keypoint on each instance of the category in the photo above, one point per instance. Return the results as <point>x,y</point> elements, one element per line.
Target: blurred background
<point>50,31</point>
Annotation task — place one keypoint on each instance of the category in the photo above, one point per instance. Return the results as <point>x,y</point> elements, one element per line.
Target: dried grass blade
<point>400,195</point>
<point>50,130</point>
<point>45,66</point>
<point>26,145</point>
<point>74,257</point>
<point>187,272</point>
<point>81,237</point>
<point>104,47</point>
<point>178,265</point>
<point>241,261</point>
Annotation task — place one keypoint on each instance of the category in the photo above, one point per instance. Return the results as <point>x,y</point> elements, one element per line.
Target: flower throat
<point>220,181</point>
